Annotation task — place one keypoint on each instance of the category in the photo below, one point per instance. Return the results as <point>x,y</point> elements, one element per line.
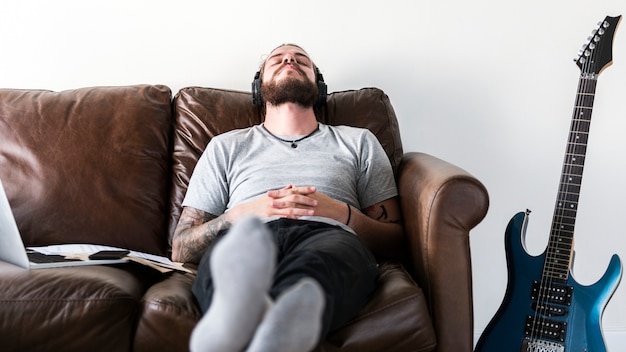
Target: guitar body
<point>578,316</point>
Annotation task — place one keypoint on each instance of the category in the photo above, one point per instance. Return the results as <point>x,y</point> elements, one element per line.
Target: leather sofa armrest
<point>441,203</point>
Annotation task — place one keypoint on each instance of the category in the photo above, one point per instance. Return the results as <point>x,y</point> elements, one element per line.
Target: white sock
<point>294,322</point>
<point>242,266</point>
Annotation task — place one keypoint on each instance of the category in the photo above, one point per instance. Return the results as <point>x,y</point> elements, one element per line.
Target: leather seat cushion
<point>396,315</point>
<point>396,318</point>
<point>51,303</point>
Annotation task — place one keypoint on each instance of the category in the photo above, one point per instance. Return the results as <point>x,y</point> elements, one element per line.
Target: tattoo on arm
<point>195,232</point>
<point>383,213</point>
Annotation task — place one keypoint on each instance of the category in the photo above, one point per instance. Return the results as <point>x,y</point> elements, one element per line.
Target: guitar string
<point>548,270</point>
<point>579,118</point>
<point>550,266</point>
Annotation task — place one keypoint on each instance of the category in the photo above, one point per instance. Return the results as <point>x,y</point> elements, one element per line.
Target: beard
<point>290,90</point>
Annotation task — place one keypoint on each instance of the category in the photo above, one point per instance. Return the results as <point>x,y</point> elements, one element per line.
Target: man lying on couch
<point>285,219</point>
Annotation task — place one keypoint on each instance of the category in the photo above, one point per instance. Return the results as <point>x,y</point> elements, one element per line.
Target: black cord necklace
<point>293,142</point>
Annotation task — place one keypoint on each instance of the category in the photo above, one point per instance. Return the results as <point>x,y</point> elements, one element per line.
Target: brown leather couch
<point>110,165</point>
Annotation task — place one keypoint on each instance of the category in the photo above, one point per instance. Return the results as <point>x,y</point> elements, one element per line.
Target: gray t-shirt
<point>346,163</point>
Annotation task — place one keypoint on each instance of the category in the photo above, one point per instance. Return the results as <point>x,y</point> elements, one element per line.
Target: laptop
<point>12,248</point>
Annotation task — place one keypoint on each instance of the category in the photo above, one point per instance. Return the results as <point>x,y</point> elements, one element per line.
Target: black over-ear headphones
<point>322,89</point>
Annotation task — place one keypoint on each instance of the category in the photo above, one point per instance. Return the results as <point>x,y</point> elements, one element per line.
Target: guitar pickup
<point>545,328</point>
<point>554,293</point>
<point>549,310</point>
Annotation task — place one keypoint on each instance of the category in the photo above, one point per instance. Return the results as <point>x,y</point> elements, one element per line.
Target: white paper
<point>69,249</point>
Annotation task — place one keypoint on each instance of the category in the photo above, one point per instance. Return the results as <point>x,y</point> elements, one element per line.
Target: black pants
<point>337,259</point>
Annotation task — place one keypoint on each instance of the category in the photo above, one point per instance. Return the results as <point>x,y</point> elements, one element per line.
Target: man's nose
<point>289,59</point>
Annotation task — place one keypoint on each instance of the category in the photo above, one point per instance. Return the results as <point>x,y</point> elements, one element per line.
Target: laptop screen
<point>11,246</point>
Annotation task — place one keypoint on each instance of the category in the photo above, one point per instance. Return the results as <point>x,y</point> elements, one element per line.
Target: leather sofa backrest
<point>89,165</point>
<point>202,113</point>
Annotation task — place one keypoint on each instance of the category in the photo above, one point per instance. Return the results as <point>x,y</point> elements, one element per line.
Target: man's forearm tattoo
<point>194,239</point>
<point>383,213</point>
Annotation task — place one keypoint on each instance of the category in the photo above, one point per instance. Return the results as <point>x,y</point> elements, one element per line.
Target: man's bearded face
<point>298,90</point>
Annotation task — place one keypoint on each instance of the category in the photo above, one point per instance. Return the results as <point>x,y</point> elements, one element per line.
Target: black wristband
<point>349,213</point>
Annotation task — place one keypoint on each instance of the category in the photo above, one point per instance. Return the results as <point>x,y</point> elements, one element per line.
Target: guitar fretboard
<point>560,245</point>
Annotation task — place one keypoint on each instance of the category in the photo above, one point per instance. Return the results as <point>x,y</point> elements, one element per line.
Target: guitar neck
<point>561,243</point>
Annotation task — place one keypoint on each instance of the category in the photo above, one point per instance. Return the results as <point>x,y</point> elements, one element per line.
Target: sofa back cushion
<point>202,113</point>
<point>89,165</point>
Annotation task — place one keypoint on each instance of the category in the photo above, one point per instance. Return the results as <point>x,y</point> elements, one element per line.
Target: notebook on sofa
<point>12,248</point>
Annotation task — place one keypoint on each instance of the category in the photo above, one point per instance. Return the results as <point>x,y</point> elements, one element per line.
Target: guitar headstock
<point>597,53</point>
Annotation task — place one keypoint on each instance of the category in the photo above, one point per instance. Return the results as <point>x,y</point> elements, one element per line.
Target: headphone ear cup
<point>322,89</point>
<point>257,99</point>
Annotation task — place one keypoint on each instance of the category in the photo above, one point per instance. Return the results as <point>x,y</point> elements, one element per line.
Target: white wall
<point>488,85</point>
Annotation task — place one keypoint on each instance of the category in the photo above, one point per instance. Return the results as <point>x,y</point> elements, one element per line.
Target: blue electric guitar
<point>544,308</point>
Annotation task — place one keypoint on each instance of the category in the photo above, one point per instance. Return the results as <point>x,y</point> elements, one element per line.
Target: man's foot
<point>294,322</point>
<point>242,266</point>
